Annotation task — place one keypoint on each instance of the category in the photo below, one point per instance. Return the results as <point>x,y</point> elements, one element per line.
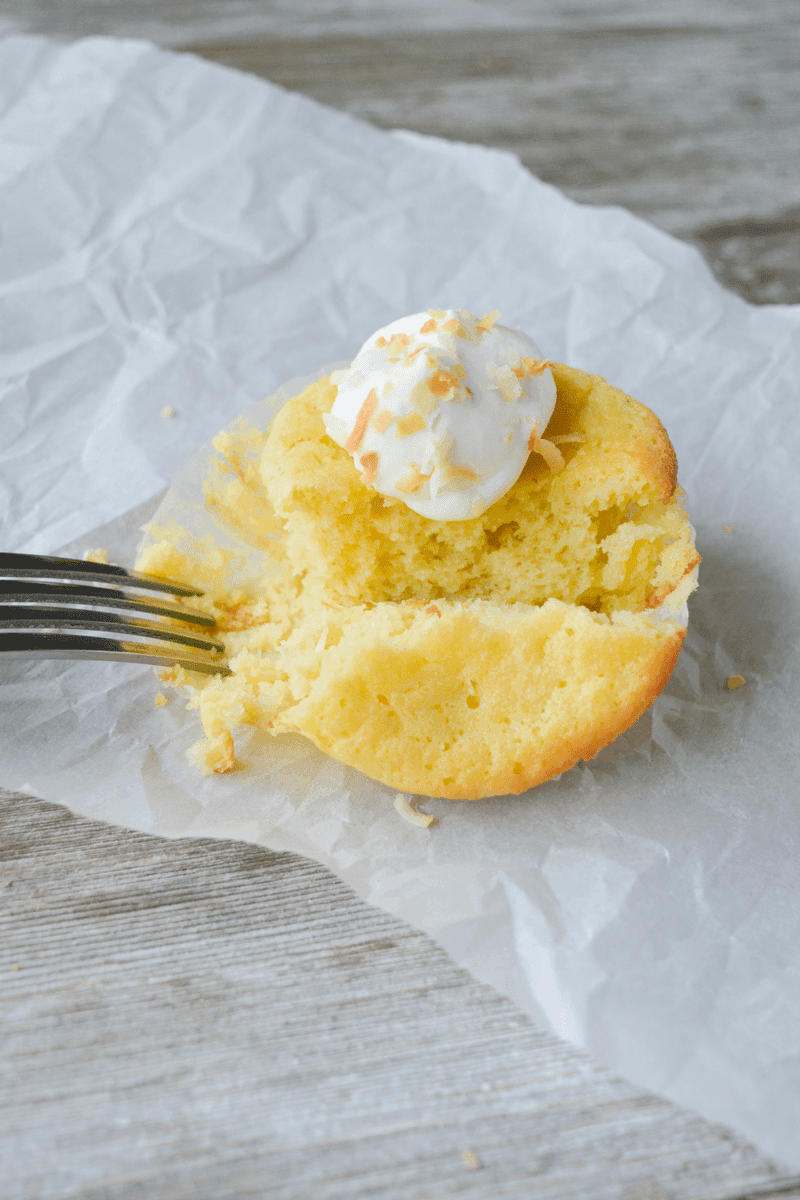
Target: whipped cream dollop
<point>441,410</point>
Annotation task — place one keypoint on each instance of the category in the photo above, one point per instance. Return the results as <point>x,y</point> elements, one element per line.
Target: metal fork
<point>68,608</point>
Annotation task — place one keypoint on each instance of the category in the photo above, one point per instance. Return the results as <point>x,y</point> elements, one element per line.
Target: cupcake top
<point>441,409</point>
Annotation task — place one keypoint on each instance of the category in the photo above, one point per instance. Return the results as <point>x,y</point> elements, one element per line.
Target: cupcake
<point>480,562</point>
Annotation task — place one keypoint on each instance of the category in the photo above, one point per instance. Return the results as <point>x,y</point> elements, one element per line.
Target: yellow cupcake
<point>461,658</point>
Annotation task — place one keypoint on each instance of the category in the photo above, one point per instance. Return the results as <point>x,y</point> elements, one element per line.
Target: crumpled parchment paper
<point>173,233</point>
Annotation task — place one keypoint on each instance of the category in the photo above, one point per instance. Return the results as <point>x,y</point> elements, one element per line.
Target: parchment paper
<point>173,233</point>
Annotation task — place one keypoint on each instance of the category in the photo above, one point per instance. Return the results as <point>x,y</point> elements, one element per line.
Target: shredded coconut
<point>410,814</point>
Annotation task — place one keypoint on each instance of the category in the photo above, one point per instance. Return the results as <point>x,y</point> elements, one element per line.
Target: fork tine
<point>72,594</point>
<point>83,646</point>
<point>38,566</point>
<point>47,617</point>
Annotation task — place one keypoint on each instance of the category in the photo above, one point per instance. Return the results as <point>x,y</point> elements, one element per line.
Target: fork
<point>69,608</point>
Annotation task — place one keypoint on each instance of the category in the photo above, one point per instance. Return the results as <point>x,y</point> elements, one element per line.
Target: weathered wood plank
<point>210,1019</point>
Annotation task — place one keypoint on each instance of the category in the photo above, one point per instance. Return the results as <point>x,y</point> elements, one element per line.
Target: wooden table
<point>209,1020</point>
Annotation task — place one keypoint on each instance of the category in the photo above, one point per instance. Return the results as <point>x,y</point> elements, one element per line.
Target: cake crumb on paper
<point>728,528</point>
<point>735,681</point>
<point>471,1160</point>
<point>96,556</point>
<point>410,814</point>
<point>168,412</point>
<point>161,700</point>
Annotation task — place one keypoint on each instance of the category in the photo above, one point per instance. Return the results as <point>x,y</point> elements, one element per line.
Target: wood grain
<point>694,128</point>
<point>685,113</point>
<point>209,1019</point>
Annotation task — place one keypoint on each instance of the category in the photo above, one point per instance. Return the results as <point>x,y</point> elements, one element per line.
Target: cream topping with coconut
<point>441,410</point>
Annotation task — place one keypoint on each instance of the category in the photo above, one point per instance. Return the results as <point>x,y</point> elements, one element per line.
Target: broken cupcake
<point>478,564</point>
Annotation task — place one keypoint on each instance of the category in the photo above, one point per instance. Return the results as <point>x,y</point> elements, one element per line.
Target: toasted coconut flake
<point>362,420</point>
<point>510,387</point>
<point>536,367</point>
<point>161,700</point>
<point>568,437</point>
<point>429,326</point>
<point>438,314</point>
<point>735,681</point>
<point>381,420</point>
<point>412,481</point>
<point>550,453</point>
<point>452,478</point>
<point>423,398</point>
<point>443,384</point>
<point>410,814</point>
<point>369,465</point>
<point>490,318</point>
<point>96,556</point>
<point>413,423</point>
<point>397,345</point>
<point>455,472</point>
<point>410,355</point>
